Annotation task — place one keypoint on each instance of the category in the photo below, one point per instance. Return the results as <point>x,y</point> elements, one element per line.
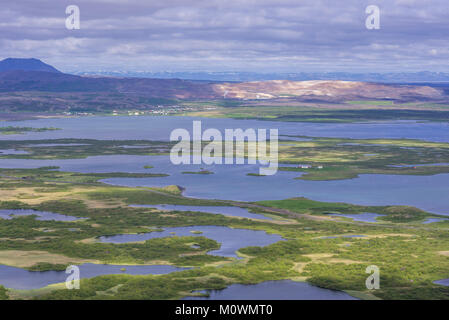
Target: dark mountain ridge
<point>22,64</point>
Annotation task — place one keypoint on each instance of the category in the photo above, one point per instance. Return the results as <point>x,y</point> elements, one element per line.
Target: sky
<point>229,35</point>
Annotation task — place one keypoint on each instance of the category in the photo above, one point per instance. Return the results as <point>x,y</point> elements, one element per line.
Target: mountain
<point>40,87</point>
<point>328,90</point>
<point>14,81</point>
<point>16,64</point>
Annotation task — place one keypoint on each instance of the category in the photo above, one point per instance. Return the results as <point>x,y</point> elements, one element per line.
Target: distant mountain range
<point>39,86</point>
<point>17,64</point>
<point>392,77</point>
<point>32,64</point>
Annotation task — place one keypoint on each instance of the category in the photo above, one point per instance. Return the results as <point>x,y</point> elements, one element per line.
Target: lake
<point>18,278</point>
<point>160,127</point>
<point>362,217</point>
<point>227,211</point>
<point>41,215</point>
<point>442,282</point>
<point>432,220</point>
<point>274,290</point>
<point>231,182</point>
<point>230,239</point>
<point>7,152</point>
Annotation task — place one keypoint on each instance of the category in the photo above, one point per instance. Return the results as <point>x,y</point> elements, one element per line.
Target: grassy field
<point>21,130</point>
<point>83,148</point>
<point>352,111</point>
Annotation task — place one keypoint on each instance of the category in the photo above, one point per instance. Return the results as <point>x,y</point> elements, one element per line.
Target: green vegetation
<point>198,172</point>
<point>373,102</point>
<point>307,206</point>
<point>45,266</point>
<point>380,110</point>
<point>335,159</point>
<point>21,130</point>
<point>3,293</point>
<point>82,148</point>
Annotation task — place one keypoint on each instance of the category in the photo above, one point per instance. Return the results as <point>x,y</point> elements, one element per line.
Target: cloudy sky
<point>229,35</point>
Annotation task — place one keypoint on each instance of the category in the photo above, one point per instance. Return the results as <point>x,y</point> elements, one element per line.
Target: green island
<point>21,130</point>
<point>197,172</point>
<point>344,112</point>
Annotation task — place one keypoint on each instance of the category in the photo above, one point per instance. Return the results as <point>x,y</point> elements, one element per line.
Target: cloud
<point>220,35</point>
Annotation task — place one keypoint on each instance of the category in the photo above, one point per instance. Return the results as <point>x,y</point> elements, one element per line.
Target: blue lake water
<point>362,217</point>
<point>5,152</point>
<point>56,145</point>
<point>230,182</point>
<point>41,215</point>
<point>419,165</point>
<point>17,278</point>
<point>432,220</point>
<point>134,147</point>
<point>230,239</point>
<point>160,127</point>
<point>424,192</point>
<point>227,211</point>
<point>275,290</point>
<point>443,282</point>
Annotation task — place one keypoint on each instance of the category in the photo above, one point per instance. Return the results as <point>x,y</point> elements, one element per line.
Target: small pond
<point>443,282</point>
<point>230,239</point>
<point>18,278</point>
<point>225,210</point>
<point>274,290</point>
<point>362,217</point>
<point>41,215</point>
<point>5,152</point>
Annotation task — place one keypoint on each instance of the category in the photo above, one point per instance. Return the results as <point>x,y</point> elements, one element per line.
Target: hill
<point>32,64</point>
<point>38,87</point>
<point>327,90</point>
